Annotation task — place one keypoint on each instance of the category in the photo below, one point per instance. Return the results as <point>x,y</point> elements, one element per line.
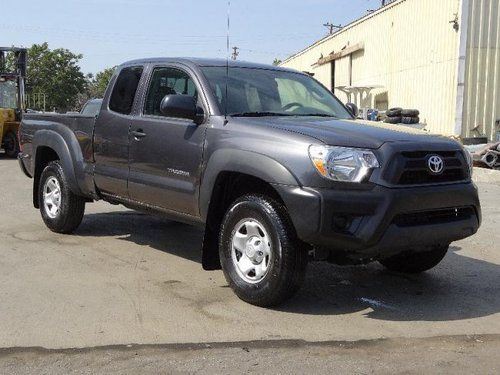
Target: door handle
<point>138,134</point>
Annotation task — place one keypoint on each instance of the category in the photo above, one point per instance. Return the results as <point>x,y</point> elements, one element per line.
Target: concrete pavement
<point>440,355</point>
<point>128,278</point>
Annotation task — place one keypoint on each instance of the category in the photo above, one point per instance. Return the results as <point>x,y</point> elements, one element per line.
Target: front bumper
<point>382,221</point>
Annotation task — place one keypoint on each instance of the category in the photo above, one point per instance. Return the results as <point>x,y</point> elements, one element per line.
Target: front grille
<point>423,154</point>
<point>424,177</point>
<point>411,168</point>
<point>446,215</point>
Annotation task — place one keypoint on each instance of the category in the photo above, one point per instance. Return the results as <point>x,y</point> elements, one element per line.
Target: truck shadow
<point>3,156</point>
<point>142,229</point>
<point>459,288</point>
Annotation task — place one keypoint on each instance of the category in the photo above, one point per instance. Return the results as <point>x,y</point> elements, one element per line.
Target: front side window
<point>122,97</point>
<point>257,92</point>
<point>167,81</point>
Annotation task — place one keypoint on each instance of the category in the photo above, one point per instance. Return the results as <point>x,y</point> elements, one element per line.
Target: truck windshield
<point>253,92</point>
<point>8,94</point>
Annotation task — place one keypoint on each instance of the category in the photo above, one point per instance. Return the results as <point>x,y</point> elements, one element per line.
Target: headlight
<point>343,164</point>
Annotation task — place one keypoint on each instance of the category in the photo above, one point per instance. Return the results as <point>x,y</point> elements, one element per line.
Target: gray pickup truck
<point>268,161</point>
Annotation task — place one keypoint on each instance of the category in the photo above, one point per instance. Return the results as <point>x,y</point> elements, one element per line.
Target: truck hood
<point>349,133</point>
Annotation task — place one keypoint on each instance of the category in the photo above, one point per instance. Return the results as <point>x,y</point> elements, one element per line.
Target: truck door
<point>111,135</point>
<point>166,152</point>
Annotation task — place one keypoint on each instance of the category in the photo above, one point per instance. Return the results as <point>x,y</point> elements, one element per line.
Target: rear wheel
<point>262,260</point>
<point>11,145</point>
<point>62,210</point>
<point>415,262</point>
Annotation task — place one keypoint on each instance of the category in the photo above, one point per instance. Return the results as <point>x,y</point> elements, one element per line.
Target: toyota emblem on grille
<point>435,164</point>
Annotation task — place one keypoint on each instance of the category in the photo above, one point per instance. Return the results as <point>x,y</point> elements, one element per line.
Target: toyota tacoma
<point>267,160</point>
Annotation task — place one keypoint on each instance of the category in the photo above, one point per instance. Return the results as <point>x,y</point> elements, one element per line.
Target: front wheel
<point>263,261</point>
<point>62,210</point>
<point>416,262</point>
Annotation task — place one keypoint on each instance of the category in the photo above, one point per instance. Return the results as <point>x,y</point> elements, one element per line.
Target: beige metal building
<point>439,56</point>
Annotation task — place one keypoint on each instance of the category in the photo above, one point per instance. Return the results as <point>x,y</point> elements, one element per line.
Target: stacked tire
<point>393,116</point>
<point>402,116</point>
<point>410,116</point>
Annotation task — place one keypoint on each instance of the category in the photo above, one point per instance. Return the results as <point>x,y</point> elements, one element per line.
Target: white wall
<point>482,82</point>
<point>410,48</point>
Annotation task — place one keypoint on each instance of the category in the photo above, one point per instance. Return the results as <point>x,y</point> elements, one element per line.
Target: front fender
<point>240,161</point>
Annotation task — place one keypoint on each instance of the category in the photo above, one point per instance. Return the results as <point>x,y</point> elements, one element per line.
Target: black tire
<point>415,262</point>
<point>11,145</point>
<point>393,112</point>
<point>393,120</point>
<point>287,264</point>
<point>410,113</point>
<point>474,141</point>
<point>410,120</point>
<point>72,207</point>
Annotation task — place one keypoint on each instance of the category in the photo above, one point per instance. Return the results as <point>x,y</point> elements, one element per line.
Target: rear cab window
<point>123,95</point>
<point>92,108</point>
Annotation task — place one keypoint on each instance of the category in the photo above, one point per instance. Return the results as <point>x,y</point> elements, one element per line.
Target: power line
<point>331,27</point>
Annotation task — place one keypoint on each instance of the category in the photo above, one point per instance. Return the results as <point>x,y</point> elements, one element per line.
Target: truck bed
<point>68,125</point>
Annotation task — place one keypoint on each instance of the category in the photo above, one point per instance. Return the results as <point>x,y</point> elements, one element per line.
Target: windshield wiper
<point>263,114</point>
<point>259,114</point>
<point>315,115</point>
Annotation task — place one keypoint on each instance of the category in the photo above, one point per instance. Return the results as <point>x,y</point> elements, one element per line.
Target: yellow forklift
<point>12,102</point>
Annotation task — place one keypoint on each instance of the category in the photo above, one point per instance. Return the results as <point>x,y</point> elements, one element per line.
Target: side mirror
<point>182,106</point>
<point>353,108</point>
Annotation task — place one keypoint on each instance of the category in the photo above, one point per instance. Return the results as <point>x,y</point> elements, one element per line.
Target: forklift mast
<point>18,72</point>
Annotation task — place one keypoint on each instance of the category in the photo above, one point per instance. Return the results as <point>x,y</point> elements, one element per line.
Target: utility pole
<point>235,54</point>
<point>331,27</point>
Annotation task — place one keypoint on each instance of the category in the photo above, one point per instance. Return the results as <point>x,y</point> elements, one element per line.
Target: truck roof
<point>203,62</point>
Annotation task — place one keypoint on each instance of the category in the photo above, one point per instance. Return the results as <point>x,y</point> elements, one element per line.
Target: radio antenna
<point>227,58</point>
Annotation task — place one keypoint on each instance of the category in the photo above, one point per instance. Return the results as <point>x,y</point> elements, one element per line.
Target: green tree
<point>276,62</point>
<point>56,74</point>
<point>99,82</point>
